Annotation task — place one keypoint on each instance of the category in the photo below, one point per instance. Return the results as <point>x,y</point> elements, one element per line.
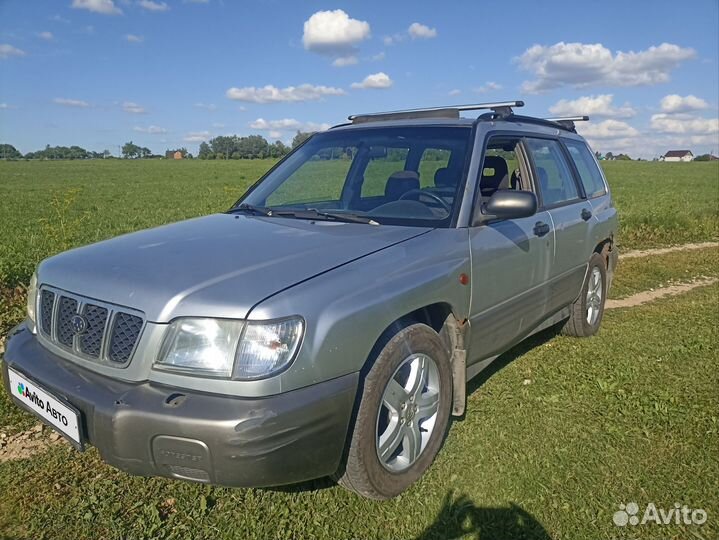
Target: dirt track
<point>633,254</point>
<point>654,294</point>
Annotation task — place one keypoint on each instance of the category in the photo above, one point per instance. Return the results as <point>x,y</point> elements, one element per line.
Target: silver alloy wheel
<point>408,412</point>
<point>594,296</point>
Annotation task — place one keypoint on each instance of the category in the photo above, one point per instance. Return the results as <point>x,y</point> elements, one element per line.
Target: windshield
<point>396,176</point>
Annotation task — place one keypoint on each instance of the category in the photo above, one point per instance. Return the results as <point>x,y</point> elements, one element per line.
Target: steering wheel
<point>436,198</point>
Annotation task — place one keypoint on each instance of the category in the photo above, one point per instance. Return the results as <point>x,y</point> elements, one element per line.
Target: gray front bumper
<point>151,430</point>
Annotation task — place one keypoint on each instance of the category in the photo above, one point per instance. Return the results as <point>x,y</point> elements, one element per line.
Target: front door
<point>511,259</point>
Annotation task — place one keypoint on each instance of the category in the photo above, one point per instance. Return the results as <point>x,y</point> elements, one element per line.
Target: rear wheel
<point>588,309</point>
<point>402,416</point>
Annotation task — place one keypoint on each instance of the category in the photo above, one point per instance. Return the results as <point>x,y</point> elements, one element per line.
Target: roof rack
<point>567,122</point>
<point>501,109</point>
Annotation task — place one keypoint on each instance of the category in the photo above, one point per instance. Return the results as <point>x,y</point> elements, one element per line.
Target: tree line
<point>220,147</point>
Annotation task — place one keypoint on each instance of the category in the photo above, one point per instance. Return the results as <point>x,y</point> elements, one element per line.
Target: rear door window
<point>588,169</point>
<point>552,172</point>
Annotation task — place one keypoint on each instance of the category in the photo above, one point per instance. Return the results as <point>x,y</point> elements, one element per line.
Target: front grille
<point>103,332</point>
<point>124,335</point>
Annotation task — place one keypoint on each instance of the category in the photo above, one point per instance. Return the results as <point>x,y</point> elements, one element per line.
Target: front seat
<point>399,183</point>
<point>498,180</point>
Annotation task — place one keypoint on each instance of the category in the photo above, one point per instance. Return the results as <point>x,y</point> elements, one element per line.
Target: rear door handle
<point>586,214</point>
<point>541,228</point>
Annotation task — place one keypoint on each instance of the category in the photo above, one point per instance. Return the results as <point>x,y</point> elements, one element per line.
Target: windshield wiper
<point>312,213</point>
<point>257,210</point>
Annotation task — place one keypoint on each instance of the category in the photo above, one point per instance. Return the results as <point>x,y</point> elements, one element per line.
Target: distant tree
<point>598,155</point>
<point>300,138</point>
<point>622,157</point>
<point>8,151</point>
<point>609,156</point>
<point>702,157</point>
<point>278,149</point>
<point>205,151</point>
<point>130,150</point>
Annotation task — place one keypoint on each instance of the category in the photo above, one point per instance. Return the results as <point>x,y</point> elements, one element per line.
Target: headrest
<point>401,182</point>
<point>500,177</point>
<point>445,177</point>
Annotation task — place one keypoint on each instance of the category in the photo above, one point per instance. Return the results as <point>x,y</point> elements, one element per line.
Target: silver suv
<point>328,323</point>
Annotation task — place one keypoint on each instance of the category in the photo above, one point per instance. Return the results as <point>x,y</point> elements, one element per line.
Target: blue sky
<point>165,74</point>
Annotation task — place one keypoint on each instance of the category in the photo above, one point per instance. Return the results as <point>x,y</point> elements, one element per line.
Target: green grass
<point>48,207</point>
<point>557,436</point>
<point>560,433</point>
<point>664,203</point>
<point>643,273</point>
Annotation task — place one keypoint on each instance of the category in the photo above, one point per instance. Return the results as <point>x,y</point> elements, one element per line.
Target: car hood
<point>214,266</point>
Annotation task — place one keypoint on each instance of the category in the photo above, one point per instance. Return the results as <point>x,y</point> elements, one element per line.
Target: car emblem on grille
<point>79,324</point>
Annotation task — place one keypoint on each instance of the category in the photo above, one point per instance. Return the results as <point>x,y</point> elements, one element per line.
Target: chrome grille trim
<point>97,344</point>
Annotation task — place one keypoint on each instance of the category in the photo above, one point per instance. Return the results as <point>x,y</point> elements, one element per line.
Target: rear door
<point>569,211</point>
<point>511,259</point>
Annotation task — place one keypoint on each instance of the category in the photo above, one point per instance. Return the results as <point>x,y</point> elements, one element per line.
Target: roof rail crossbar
<point>501,108</point>
<point>568,121</point>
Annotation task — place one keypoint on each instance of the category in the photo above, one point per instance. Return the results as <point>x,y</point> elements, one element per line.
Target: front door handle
<point>586,214</point>
<point>541,228</point>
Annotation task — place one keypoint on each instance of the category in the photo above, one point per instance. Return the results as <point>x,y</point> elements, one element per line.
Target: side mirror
<point>509,204</point>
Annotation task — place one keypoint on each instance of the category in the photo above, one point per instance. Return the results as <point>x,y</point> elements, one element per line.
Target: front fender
<point>348,308</point>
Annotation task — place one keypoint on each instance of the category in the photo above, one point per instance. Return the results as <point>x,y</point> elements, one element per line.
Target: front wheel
<point>588,310</point>
<point>402,416</point>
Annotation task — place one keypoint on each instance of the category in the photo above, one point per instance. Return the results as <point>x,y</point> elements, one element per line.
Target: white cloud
<point>133,108</point>
<point>7,50</point>
<point>334,33</point>
<point>343,61</point>
<point>390,40</point>
<point>491,86</point>
<point>375,81</point>
<point>674,103</point>
<point>5,106</point>
<point>420,31</point>
<point>150,130</point>
<point>206,106</point>
<point>287,124</point>
<point>47,36</point>
<point>133,38</point>
<point>600,105</point>
<point>582,64</point>
<point>58,18</point>
<point>149,5</point>
<point>454,92</point>
<point>105,7</point>
<point>275,134</point>
<point>607,129</point>
<point>272,94</point>
<point>684,124</point>
<point>71,102</point>
<point>197,136</point>
<point>378,57</point>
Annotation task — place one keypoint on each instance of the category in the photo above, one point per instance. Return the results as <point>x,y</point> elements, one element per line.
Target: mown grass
<point>643,273</point>
<point>556,436</point>
<point>560,433</point>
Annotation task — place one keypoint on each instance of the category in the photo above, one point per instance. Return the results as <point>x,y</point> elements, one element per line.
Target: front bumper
<point>151,430</point>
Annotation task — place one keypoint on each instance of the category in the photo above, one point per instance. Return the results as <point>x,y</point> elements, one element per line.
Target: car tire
<point>588,309</point>
<point>392,409</point>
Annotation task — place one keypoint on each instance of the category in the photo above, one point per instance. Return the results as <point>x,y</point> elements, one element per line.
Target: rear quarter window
<point>588,169</point>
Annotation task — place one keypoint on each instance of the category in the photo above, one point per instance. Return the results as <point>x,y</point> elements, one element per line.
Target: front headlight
<point>32,298</point>
<point>224,348</point>
<point>202,346</point>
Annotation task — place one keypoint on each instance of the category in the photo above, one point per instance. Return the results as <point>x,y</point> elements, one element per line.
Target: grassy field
<point>558,432</point>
